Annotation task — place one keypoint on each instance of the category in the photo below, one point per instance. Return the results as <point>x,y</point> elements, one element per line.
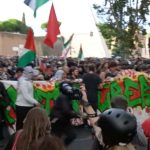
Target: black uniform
<point>60,118</point>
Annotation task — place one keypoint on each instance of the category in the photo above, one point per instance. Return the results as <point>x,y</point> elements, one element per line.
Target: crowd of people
<point>114,129</point>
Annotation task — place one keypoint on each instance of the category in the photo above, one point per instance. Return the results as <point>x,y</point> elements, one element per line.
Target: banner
<point>136,90</point>
<point>45,92</point>
<point>134,86</point>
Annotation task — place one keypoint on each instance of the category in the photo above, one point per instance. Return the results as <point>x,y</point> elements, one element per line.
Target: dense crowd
<point>90,73</point>
<point>49,68</point>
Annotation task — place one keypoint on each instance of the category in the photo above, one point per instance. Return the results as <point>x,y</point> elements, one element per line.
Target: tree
<point>13,25</point>
<point>44,25</point>
<point>108,33</point>
<point>127,18</point>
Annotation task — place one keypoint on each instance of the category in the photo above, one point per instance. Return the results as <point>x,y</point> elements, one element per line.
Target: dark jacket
<point>63,108</point>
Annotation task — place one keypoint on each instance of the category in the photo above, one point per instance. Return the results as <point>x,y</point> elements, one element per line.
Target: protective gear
<point>66,88</point>
<point>73,93</point>
<point>118,126</point>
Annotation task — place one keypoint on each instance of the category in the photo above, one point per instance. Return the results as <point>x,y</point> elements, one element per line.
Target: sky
<point>78,12</point>
<point>14,9</point>
<point>76,16</point>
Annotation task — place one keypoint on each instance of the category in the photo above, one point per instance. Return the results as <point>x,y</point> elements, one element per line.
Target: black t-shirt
<point>92,81</point>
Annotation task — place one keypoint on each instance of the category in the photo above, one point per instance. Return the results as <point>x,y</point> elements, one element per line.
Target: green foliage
<point>108,32</point>
<point>44,25</point>
<point>124,20</point>
<point>13,25</point>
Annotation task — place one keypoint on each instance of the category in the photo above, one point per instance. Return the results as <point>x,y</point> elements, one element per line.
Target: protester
<point>103,70</point>
<point>73,73</point>
<point>25,100</point>
<point>140,140</point>
<point>109,69</point>
<point>18,73</point>
<point>112,70</point>
<point>114,128</point>
<point>62,113</point>
<point>4,104</point>
<point>146,128</point>
<point>3,74</point>
<point>48,143</point>
<point>36,133</point>
<point>92,84</point>
<point>61,73</point>
<point>118,128</point>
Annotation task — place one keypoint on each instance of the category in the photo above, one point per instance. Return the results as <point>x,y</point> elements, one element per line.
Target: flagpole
<point>36,61</point>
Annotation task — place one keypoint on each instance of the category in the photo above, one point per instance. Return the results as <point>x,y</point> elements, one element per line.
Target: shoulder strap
<point>16,139</point>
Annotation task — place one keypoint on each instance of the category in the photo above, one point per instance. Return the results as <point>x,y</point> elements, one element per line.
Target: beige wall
<point>9,40</point>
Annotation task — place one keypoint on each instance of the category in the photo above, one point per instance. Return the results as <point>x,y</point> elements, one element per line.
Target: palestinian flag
<point>35,4</point>
<point>28,53</point>
<point>67,44</point>
<point>67,47</point>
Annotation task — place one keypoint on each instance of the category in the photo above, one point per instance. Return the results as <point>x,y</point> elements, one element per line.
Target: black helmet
<point>118,126</point>
<point>66,88</point>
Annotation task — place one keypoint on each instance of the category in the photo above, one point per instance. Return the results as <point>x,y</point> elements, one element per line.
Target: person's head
<point>104,66</point>
<point>91,67</point>
<point>37,122</point>
<point>66,88</point>
<point>19,72</point>
<point>123,147</point>
<point>47,143</point>
<point>66,69</point>
<point>28,72</point>
<point>113,66</point>
<point>1,69</point>
<point>59,75</point>
<point>119,101</point>
<point>36,125</point>
<point>37,75</point>
<point>74,71</point>
<point>3,75</point>
<point>117,126</point>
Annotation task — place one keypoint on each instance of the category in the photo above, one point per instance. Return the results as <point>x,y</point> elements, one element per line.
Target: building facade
<point>10,40</point>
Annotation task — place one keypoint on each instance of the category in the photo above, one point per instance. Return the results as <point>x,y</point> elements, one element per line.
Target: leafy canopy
<point>13,25</point>
<point>123,21</point>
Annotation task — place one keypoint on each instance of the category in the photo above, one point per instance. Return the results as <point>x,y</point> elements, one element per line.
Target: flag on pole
<point>28,53</point>
<point>52,29</point>
<point>67,46</point>
<point>66,52</point>
<point>35,4</point>
<point>80,55</point>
